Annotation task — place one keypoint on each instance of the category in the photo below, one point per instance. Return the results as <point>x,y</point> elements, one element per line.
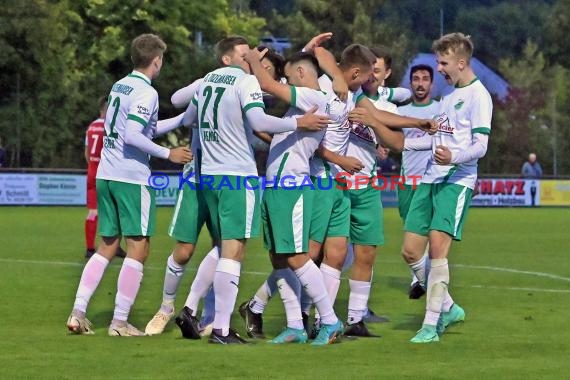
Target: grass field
<point>511,274</point>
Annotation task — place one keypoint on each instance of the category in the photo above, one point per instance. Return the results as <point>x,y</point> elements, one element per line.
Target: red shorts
<point>91,192</point>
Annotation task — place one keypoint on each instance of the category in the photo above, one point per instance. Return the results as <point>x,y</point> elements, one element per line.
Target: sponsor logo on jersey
<point>256,96</point>
<point>443,123</point>
<point>142,110</point>
<point>459,104</point>
<point>362,131</point>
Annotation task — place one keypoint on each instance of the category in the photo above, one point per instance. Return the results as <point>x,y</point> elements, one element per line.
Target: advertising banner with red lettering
<point>514,192</point>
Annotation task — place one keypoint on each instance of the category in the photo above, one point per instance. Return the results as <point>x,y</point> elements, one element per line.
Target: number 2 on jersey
<point>208,94</point>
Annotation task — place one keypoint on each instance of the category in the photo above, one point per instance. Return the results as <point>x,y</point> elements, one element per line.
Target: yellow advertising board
<point>554,193</point>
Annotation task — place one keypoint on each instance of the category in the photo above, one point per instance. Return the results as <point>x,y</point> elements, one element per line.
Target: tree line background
<point>59,57</point>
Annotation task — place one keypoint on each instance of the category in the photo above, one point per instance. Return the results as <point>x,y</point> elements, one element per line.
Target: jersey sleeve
<point>481,113</point>
<point>399,94</point>
<point>143,106</point>
<point>305,99</point>
<point>250,94</point>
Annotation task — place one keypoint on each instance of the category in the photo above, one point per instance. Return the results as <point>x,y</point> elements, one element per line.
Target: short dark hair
<point>383,52</point>
<point>356,55</point>
<point>226,45</point>
<point>276,59</point>
<point>421,67</point>
<point>301,56</point>
<point>145,48</point>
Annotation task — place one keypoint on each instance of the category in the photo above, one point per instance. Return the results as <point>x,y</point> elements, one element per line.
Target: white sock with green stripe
<point>172,278</point>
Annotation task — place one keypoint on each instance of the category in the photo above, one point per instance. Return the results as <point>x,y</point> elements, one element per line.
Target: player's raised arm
<point>328,64</point>
<point>266,80</point>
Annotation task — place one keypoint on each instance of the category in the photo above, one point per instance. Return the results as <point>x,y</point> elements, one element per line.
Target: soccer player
<point>93,145</point>
<point>414,162</point>
<point>190,214</point>
<point>125,202</point>
<point>356,65</point>
<point>366,229</point>
<point>289,197</point>
<point>227,98</point>
<point>439,207</point>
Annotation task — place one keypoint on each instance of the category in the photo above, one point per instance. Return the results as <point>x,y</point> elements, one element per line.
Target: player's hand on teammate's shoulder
<point>180,155</point>
<point>255,55</point>
<point>312,121</point>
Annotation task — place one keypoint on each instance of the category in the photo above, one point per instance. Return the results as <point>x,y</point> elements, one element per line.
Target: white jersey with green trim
<point>362,142</point>
<point>131,98</point>
<point>397,94</point>
<point>414,163</point>
<point>222,100</point>
<point>464,112</point>
<point>338,132</point>
<point>290,152</point>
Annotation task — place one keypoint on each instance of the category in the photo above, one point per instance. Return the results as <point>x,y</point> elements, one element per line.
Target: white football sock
<point>172,277</point>
<point>291,303</point>
<point>128,286</point>
<point>358,300</point>
<point>436,290</point>
<point>312,280</point>
<point>203,280</point>
<point>419,270</point>
<point>226,281</point>
<point>90,278</point>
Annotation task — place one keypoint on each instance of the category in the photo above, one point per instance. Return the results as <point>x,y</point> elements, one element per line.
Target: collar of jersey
<point>237,67</point>
<point>468,84</point>
<point>373,97</point>
<point>422,105</point>
<point>138,74</point>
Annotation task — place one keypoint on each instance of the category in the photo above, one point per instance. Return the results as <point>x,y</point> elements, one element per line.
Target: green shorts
<point>125,209</point>
<point>190,214</point>
<point>286,218</point>
<point>366,217</point>
<point>233,204</point>
<point>439,206</point>
<point>331,210</point>
<point>405,199</point>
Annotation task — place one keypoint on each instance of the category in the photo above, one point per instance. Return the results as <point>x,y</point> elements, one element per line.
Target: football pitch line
<point>480,267</point>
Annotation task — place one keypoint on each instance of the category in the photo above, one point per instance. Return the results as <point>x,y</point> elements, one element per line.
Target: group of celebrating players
<point>330,134</point>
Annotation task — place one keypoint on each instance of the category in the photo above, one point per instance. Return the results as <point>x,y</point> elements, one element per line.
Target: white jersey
<point>337,133</point>
<point>222,100</point>
<point>362,143</point>
<point>131,98</point>
<point>414,162</point>
<point>289,154</point>
<point>464,112</point>
<point>398,94</point>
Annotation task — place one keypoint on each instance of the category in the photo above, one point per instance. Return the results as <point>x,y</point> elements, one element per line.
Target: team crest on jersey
<point>256,96</point>
<point>443,123</point>
<point>459,104</point>
<point>142,110</point>
<point>362,131</point>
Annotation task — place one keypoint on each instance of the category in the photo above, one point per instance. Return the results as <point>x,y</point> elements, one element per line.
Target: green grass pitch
<point>511,274</point>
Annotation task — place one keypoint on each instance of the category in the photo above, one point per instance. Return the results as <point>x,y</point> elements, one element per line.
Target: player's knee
<point>409,255</point>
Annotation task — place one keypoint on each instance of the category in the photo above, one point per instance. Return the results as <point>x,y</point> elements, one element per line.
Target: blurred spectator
<point>531,168</point>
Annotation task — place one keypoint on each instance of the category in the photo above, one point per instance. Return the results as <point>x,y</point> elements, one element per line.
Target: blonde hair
<point>145,48</point>
<point>455,43</point>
